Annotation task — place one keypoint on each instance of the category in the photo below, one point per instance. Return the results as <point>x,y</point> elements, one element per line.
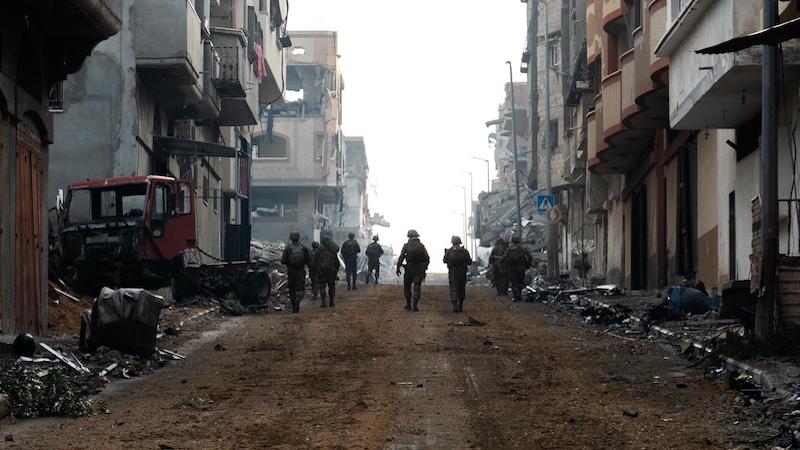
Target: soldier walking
<point>374,253</point>
<point>457,259</point>
<point>517,260</point>
<point>499,273</point>
<point>312,270</point>
<point>296,257</point>
<point>416,260</point>
<point>350,251</point>
<point>327,267</point>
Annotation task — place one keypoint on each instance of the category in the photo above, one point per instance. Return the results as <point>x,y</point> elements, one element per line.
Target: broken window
<point>319,146</point>
<point>277,149</point>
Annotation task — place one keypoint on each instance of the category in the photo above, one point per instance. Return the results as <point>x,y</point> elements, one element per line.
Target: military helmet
<point>375,238</point>
<point>315,244</point>
<point>515,239</point>
<point>455,240</point>
<point>294,236</point>
<point>24,345</point>
<point>412,234</point>
<point>351,235</point>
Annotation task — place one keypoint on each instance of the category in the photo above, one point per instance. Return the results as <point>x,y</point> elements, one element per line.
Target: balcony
<point>169,46</point>
<point>613,11</point>
<point>594,41</point>
<point>235,82</point>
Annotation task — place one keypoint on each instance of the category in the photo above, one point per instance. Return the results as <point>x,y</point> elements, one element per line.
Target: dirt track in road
<point>368,374</point>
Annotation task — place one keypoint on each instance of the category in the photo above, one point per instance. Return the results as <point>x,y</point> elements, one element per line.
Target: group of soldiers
<point>323,265</point>
<point>508,262</point>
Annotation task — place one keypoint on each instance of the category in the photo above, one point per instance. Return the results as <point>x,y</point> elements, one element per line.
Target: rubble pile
<point>498,213</point>
<point>47,388</point>
<point>268,252</point>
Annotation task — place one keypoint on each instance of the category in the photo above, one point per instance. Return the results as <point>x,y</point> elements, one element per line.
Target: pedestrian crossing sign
<point>545,202</point>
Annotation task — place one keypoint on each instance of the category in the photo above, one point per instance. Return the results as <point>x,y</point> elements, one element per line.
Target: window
<point>160,209</point>
<point>553,134</point>
<point>56,99</point>
<point>552,54</point>
<point>184,199</point>
<point>275,18</point>
<point>319,146</point>
<point>278,148</point>
<point>216,195</point>
<point>635,15</point>
<point>205,189</point>
<point>80,207</point>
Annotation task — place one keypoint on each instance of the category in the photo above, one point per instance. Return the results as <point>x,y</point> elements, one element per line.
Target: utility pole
<point>765,311</point>
<point>514,144</point>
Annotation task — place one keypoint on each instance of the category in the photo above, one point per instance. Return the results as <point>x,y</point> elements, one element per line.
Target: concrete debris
<point>268,252</point>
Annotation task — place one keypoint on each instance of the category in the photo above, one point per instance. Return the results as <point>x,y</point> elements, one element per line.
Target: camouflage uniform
<point>517,259</point>
<point>350,251</point>
<point>296,273</point>
<point>374,252</point>
<point>457,259</point>
<point>417,261</point>
<point>499,273</point>
<point>327,268</point>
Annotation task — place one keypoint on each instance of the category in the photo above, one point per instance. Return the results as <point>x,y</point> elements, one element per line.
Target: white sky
<point>421,79</point>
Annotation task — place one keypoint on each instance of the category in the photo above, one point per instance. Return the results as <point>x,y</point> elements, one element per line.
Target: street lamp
<point>514,144</point>
<point>488,183</point>
<point>464,205</point>
<point>471,215</point>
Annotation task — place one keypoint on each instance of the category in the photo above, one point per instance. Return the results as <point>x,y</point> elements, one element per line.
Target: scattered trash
<point>105,371</point>
<point>9,438</point>
<point>488,343</point>
<point>77,366</point>
<point>220,348</point>
<point>171,354</point>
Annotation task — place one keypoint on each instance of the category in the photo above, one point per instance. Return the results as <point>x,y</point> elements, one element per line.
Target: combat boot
<point>408,304</point>
<point>330,301</point>
<point>455,307</point>
<point>295,306</point>
<point>414,308</point>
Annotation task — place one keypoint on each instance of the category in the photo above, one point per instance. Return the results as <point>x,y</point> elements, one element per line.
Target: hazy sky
<point>421,80</point>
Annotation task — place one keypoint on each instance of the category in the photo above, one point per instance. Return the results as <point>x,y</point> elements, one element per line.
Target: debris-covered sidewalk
<point>685,323</point>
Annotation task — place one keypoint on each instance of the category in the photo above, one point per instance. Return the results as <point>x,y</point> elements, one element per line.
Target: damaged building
<point>177,93</point>
<point>32,65</point>
<point>298,171</point>
<point>355,204</point>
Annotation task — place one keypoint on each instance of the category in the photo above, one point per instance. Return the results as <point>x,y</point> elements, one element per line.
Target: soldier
<point>312,270</point>
<point>350,251</point>
<point>374,252</point>
<point>296,257</point>
<point>498,269</point>
<point>327,267</point>
<point>457,259</point>
<point>417,260</point>
<point>517,260</point>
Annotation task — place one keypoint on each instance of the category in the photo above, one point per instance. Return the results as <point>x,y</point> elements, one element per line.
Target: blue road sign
<point>545,202</point>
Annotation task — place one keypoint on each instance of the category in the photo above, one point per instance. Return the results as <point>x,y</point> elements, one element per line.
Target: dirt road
<point>369,374</point>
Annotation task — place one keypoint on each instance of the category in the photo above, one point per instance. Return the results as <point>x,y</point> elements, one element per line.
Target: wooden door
<point>29,242</point>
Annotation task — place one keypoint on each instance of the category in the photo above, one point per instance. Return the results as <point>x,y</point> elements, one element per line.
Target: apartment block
<point>298,170</point>
<point>178,92</point>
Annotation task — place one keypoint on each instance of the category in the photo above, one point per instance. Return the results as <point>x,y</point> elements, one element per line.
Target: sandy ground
<point>368,374</point>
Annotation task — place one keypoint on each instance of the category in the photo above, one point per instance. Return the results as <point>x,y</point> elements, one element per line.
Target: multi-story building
<point>298,165</point>
<point>556,55</point>
<point>355,205</point>
<point>40,44</point>
<point>715,102</point>
<point>177,92</point>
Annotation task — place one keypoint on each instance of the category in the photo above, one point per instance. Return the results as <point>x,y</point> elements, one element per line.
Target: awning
<point>770,36</point>
<point>186,147</point>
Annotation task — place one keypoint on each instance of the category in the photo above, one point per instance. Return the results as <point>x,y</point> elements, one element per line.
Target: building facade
<point>178,92</point>
<point>31,62</point>
<point>719,97</point>
<point>299,158</point>
<point>355,207</point>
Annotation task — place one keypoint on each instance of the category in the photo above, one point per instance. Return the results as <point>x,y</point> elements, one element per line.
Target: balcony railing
<point>232,64</point>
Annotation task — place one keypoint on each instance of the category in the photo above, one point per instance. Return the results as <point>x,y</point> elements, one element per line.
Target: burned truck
<point>142,232</point>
